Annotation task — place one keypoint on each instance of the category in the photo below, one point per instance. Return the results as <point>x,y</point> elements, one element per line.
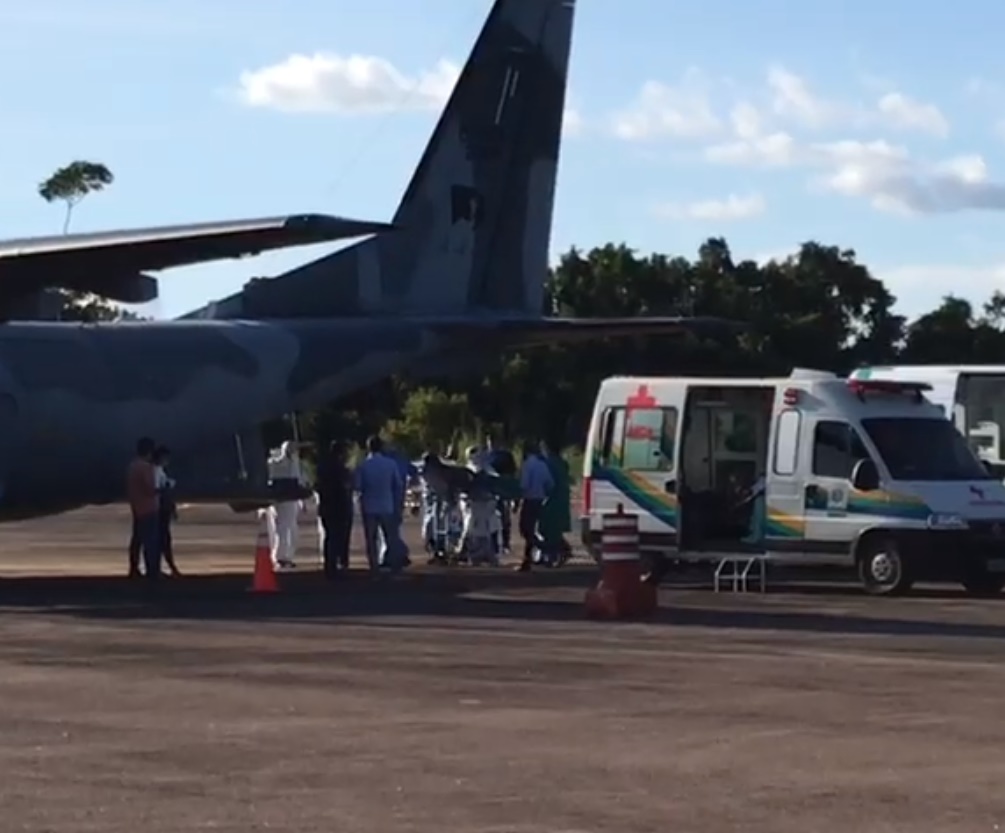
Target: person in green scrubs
<point>556,514</point>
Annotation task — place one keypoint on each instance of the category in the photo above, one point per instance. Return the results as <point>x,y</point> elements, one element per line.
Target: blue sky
<point>874,126</point>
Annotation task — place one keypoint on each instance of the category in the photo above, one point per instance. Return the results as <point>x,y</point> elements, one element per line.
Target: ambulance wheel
<point>881,567</point>
<point>980,581</point>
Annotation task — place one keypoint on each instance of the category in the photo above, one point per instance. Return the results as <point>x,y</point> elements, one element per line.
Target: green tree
<point>91,309</point>
<point>71,183</point>
<point>431,418</point>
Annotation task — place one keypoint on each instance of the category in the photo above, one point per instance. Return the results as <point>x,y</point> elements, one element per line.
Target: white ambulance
<point>972,396</point>
<point>857,472</point>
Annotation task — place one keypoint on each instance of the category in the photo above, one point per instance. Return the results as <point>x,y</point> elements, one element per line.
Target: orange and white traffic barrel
<point>621,593</point>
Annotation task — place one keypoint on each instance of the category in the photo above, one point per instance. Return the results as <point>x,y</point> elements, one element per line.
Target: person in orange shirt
<point>141,491</point>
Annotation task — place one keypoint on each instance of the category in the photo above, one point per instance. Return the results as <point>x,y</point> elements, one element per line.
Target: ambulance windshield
<point>924,449</point>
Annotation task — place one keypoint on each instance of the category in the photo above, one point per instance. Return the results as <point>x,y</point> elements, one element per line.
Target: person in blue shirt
<point>536,485</point>
<point>378,482</point>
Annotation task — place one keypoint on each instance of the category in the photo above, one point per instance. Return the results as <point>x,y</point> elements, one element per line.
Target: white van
<point>972,396</point>
<point>858,472</point>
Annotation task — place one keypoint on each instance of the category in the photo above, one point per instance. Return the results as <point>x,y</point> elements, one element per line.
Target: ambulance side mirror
<point>865,476</point>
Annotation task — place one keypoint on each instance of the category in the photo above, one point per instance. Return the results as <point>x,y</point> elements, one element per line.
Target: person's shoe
<point>523,567</point>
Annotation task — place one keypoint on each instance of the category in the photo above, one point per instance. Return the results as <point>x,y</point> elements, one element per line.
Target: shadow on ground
<point>547,595</point>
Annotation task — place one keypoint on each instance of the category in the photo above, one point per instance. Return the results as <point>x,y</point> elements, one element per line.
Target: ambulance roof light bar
<point>863,387</point>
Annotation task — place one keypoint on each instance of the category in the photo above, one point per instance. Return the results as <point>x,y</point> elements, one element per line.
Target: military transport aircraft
<point>460,279</point>
<point>113,264</point>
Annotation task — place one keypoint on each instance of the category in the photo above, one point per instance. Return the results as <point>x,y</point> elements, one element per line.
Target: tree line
<point>819,308</point>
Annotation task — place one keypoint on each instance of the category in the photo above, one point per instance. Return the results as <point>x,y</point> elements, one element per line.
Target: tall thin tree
<point>71,183</point>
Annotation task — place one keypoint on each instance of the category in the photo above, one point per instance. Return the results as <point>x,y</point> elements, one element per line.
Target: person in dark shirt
<point>334,488</point>
<point>502,462</point>
<point>556,514</point>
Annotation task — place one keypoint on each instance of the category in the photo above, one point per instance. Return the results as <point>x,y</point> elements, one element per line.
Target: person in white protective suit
<point>321,529</point>
<point>478,509</point>
<point>283,516</point>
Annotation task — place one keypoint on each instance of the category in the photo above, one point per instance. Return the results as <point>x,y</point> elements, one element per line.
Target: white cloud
<point>662,111</point>
<point>886,175</point>
<point>900,183</point>
<point>920,288</point>
<point>763,122</point>
<point>733,207</point>
<point>330,83</point>
<point>357,84</point>
<point>773,150</point>
<point>792,98</point>
<point>906,113</point>
<point>746,120</point>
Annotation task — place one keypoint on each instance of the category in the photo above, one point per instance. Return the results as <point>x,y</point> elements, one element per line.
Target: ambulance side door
<point>606,464</point>
<point>787,465</point>
<point>649,467</point>
<point>639,460</point>
<point>833,447</point>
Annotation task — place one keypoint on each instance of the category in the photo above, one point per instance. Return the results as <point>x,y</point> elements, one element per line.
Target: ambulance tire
<point>881,567</point>
<point>980,581</point>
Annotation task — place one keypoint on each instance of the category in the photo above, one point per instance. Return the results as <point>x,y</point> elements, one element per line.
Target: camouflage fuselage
<point>75,398</point>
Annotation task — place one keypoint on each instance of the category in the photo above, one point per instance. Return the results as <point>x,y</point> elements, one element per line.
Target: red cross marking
<point>641,399</point>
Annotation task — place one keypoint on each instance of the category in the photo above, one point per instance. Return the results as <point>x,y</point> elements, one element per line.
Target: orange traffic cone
<point>264,579</point>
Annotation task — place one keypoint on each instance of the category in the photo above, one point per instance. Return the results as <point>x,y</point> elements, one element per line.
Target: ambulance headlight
<point>945,520</point>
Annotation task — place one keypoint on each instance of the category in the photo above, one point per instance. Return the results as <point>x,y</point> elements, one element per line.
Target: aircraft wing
<point>538,331</point>
<point>112,264</point>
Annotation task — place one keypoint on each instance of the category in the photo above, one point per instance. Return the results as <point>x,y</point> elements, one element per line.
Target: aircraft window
<point>837,447</point>
<point>650,435</point>
<point>787,442</point>
<point>612,437</point>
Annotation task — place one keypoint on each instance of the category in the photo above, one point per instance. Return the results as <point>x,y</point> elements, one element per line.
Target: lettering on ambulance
<point>639,461</point>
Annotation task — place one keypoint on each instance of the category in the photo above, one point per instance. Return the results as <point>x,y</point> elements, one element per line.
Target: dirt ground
<point>478,701</point>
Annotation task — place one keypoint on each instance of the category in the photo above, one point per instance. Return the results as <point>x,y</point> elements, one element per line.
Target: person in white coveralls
<point>285,470</point>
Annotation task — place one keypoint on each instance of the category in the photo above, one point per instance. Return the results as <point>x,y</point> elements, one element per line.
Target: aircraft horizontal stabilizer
<point>127,251</point>
<point>113,264</point>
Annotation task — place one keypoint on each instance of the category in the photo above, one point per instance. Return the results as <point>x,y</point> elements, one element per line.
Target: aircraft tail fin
<point>473,229</point>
